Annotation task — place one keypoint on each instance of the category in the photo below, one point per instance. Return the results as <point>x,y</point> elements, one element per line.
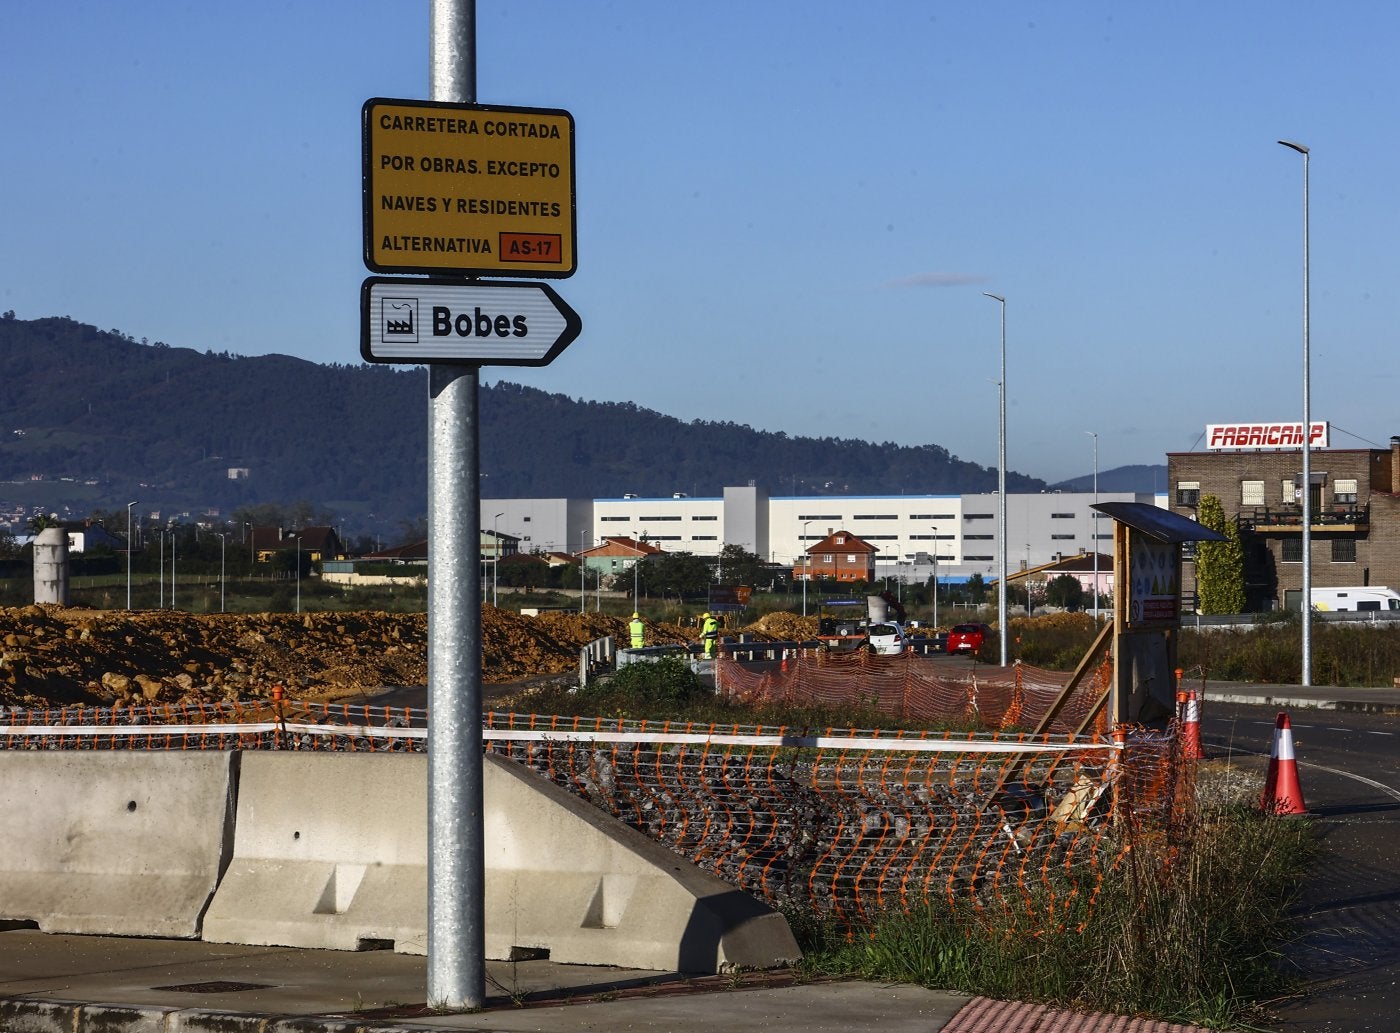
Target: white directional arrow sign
<point>433,320</point>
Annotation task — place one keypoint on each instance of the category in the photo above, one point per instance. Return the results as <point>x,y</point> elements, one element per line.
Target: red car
<point>967,638</point>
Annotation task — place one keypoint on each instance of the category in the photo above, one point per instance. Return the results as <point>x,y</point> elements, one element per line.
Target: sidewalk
<point>1326,697</point>
<point>102,984</point>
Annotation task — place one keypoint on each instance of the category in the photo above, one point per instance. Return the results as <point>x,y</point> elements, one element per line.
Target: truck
<point>1361,598</point>
<point>841,624</point>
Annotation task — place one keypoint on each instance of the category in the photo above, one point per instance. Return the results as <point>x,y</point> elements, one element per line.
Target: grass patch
<point>1188,931</point>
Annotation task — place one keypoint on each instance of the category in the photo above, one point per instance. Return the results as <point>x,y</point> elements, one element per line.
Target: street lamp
<point>160,571</point>
<point>128,553</point>
<point>806,565</point>
<point>1093,525</point>
<point>1001,482</point>
<point>582,580</point>
<point>172,568</point>
<point>1307,437</point>
<point>495,556</point>
<point>935,577</point>
<point>223,552</point>
<point>298,539</point>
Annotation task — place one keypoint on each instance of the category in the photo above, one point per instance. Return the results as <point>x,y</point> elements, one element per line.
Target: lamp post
<point>223,553</point>
<point>172,568</point>
<point>1094,525</point>
<point>935,576</point>
<point>1307,436</point>
<point>495,556</point>
<point>128,553</point>
<point>806,565</point>
<point>1001,483</point>
<point>160,571</point>
<point>298,540</point>
<point>582,580</point>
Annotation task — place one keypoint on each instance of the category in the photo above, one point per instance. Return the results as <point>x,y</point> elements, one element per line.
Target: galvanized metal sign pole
<point>456,848</point>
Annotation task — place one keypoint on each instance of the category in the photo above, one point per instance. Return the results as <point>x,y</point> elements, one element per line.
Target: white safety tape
<point>870,744</point>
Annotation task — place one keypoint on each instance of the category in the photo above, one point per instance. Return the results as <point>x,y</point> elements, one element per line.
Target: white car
<point>887,639</point>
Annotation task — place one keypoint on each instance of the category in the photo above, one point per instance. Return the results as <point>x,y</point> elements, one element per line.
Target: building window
<point>1290,495</point>
<point>1344,492</point>
<point>931,516</point>
<point>525,520</point>
<point>1251,493</point>
<point>1062,537</point>
<point>1061,516</point>
<point>614,520</point>
<point>979,537</point>
<point>979,516</point>
<point>819,516</point>
<point>875,516</point>
<point>1188,493</point>
<point>1188,551</point>
<point>1292,550</point>
<point>826,557</point>
<point>1343,550</point>
<point>853,558</point>
<point>704,518</point>
<point>978,559</point>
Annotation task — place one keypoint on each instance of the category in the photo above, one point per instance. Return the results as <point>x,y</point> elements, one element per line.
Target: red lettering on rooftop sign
<point>1260,436</point>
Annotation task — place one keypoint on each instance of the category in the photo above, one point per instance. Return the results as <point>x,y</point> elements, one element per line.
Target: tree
<point>1065,591</point>
<point>679,573</point>
<point>976,589</point>
<point>1219,565</point>
<point>740,567</point>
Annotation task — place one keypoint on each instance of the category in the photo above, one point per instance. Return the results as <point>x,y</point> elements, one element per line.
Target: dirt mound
<point>52,655</point>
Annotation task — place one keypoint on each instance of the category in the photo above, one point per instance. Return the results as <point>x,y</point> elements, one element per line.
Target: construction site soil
<point>54,656</point>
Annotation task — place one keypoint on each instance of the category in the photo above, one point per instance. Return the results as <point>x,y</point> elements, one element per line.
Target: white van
<point>1373,597</point>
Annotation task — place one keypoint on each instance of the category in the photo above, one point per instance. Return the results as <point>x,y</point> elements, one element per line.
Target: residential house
<point>840,556</point>
<point>616,554</point>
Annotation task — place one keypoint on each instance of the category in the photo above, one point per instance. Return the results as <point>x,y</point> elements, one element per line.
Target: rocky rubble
<point>52,655</point>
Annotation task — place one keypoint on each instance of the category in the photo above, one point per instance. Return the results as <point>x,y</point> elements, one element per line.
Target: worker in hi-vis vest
<point>709,633</point>
<point>638,630</point>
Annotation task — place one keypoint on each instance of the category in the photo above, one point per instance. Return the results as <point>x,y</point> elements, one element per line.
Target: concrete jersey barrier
<point>330,851</point>
<point>126,843</point>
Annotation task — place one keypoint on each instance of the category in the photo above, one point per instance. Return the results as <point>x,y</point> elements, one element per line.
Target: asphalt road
<point>1349,769</point>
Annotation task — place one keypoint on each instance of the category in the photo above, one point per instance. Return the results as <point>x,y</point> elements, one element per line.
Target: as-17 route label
<point>466,188</point>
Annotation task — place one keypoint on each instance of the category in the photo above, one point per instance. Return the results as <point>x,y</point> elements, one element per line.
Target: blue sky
<point>787,213</point>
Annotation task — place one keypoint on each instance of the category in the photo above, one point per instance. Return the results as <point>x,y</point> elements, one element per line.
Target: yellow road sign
<point>468,188</point>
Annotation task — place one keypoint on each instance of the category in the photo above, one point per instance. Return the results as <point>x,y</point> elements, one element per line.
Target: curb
<point>23,1016</point>
<point>1350,706</point>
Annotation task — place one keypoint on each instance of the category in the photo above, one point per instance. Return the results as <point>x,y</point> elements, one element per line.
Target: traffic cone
<point>1191,726</point>
<point>784,667</point>
<point>1282,793</point>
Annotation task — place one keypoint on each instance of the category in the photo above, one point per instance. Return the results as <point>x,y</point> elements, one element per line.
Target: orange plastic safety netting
<point>847,824</point>
<point>910,687</point>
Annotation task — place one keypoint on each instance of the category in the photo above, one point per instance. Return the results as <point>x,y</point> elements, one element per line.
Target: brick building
<point>840,556</point>
<point>1355,506</point>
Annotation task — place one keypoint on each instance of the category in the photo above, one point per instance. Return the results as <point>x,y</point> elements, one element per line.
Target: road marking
<point>1368,731</point>
<point>1393,794</point>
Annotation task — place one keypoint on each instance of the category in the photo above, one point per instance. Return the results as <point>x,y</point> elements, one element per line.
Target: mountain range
<point>94,419</point>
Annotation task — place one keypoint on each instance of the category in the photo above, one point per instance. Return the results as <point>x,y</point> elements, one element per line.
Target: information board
<point>467,188</point>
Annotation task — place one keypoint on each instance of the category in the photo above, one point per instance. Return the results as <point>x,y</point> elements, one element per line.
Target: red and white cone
<point>785,656</point>
<point>1282,792</point>
<point>1191,727</point>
